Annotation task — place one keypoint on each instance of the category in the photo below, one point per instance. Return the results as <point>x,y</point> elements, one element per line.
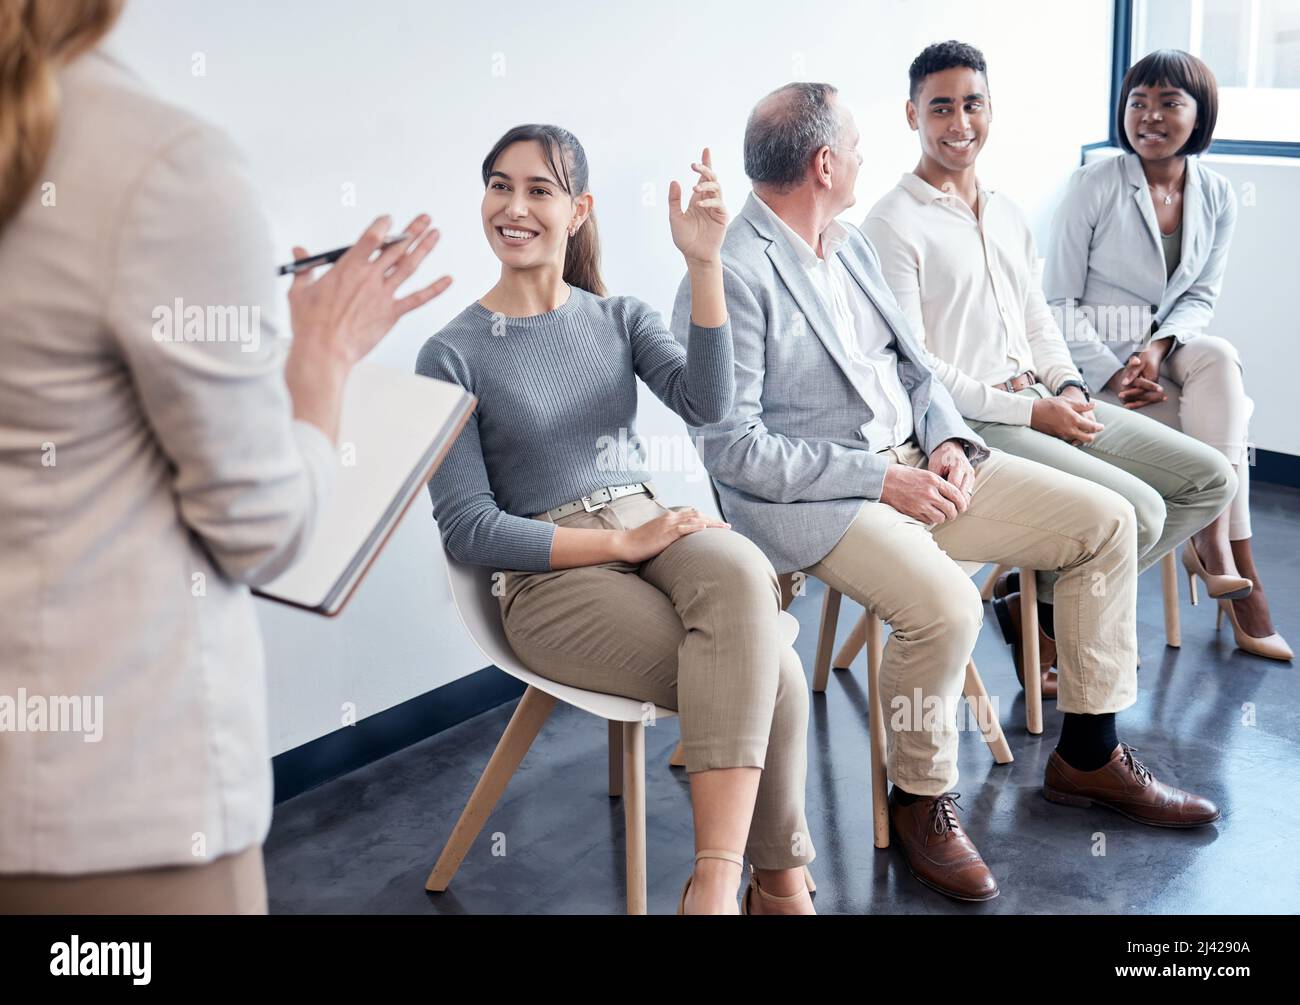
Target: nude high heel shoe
<point>1219,587</point>
<point>1272,647</point>
<point>729,856</point>
<point>753,885</point>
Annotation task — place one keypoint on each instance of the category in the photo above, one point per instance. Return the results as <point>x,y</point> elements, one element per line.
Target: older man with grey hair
<point>845,457</point>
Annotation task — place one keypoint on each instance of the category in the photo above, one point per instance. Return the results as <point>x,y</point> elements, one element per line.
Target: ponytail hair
<point>37,37</point>
<point>566,158</point>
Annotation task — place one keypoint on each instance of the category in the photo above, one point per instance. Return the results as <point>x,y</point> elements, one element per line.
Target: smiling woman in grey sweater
<point>603,586</point>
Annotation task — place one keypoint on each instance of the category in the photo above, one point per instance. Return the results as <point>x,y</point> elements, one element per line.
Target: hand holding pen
<point>329,257</point>
<point>340,316</point>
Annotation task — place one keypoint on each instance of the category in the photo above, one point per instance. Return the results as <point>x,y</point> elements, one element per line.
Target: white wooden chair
<point>479,612</point>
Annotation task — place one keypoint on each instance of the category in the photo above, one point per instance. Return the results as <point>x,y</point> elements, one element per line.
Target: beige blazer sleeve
<point>190,305</point>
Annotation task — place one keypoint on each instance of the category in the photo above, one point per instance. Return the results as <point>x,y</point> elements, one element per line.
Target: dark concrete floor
<point>1208,718</point>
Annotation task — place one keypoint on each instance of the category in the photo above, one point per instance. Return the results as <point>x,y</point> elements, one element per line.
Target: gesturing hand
<point>344,313</point>
<point>698,232</point>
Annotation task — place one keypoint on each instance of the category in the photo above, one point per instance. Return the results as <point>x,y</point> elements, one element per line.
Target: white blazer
<point>1105,269</point>
<point>144,481</point>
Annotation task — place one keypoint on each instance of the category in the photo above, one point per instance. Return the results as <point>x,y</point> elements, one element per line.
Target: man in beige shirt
<point>961,261</point>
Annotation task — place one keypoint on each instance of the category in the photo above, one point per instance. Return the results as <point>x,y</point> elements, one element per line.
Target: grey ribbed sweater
<point>554,390</point>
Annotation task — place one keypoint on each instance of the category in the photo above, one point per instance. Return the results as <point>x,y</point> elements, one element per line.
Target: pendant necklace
<point>1169,196</point>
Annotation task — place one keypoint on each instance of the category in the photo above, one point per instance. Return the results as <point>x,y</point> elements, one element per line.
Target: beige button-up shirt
<point>861,331</point>
<point>972,291</point>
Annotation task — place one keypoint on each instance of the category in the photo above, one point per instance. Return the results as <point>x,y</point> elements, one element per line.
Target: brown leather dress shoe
<point>937,850</point>
<point>1126,785</point>
<point>1008,611</point>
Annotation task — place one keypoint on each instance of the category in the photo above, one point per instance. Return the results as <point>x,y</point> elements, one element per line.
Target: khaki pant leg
<point>890,563</point>
<point>1027,514</point>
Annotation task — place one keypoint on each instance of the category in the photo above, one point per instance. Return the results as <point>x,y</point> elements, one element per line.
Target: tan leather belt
<point>598,499</point>
<point>1025,380</point>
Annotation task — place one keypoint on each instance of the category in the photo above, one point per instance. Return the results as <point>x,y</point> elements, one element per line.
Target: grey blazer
<point>1104,258</point>
<point>791,465</point>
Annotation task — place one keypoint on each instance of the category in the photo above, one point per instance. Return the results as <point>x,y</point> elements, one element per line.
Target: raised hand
<point>698,232</point>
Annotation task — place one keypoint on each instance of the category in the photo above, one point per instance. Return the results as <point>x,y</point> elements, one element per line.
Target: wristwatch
<point>1081,385</point>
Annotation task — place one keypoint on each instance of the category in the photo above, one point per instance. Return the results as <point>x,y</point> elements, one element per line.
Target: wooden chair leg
<point>826,639</point>
<point>1029,660</point>
<point>615,758</point>
<point>875,630</point>
<point>879,745</point>
<point>986,715</point>
<point>530,714</point>
<point>1169,581</point>
<point>986,591</point>
<point>852,645</point>
<point>634,814</point>
<point>678,760</point>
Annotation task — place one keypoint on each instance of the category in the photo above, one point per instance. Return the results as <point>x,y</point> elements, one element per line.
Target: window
<point>1253,47</point>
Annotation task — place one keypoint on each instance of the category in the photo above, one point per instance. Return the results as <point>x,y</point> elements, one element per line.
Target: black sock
<point>1046,620</point>
<point>1087,741</point>
<point>904,798</point>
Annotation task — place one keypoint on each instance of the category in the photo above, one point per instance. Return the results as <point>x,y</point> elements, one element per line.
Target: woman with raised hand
<point>1138,250</point>
<point>603,586</point>
<point>149,481</point>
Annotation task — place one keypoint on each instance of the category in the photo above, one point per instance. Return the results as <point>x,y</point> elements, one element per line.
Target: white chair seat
<point>480,613</point>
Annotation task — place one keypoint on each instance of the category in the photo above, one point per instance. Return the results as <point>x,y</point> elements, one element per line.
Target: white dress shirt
<point>863,333</point>
<point>146,481</point>
<point>972,291</point>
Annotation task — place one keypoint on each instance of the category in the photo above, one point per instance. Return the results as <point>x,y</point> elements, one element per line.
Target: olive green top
<point>1173,245</point>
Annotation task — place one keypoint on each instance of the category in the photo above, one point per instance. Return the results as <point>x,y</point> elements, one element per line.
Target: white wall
<point>402,99</point>
<point>1256,310</point>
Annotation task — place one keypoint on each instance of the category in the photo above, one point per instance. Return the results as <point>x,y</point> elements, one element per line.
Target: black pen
<point>326,257</point>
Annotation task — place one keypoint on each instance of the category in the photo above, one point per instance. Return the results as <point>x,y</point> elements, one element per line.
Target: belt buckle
<point>586,504</point>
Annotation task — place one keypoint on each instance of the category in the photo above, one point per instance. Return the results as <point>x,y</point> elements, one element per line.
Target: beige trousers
<point>1021,513</point>
<point>1207,400</point>
<point>232,884</point>
<point>694,629</point>
<point>1175,483</point>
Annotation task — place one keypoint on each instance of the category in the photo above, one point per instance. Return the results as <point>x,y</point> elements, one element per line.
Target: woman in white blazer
<point>1135,263</point>
<point>154,463</point>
